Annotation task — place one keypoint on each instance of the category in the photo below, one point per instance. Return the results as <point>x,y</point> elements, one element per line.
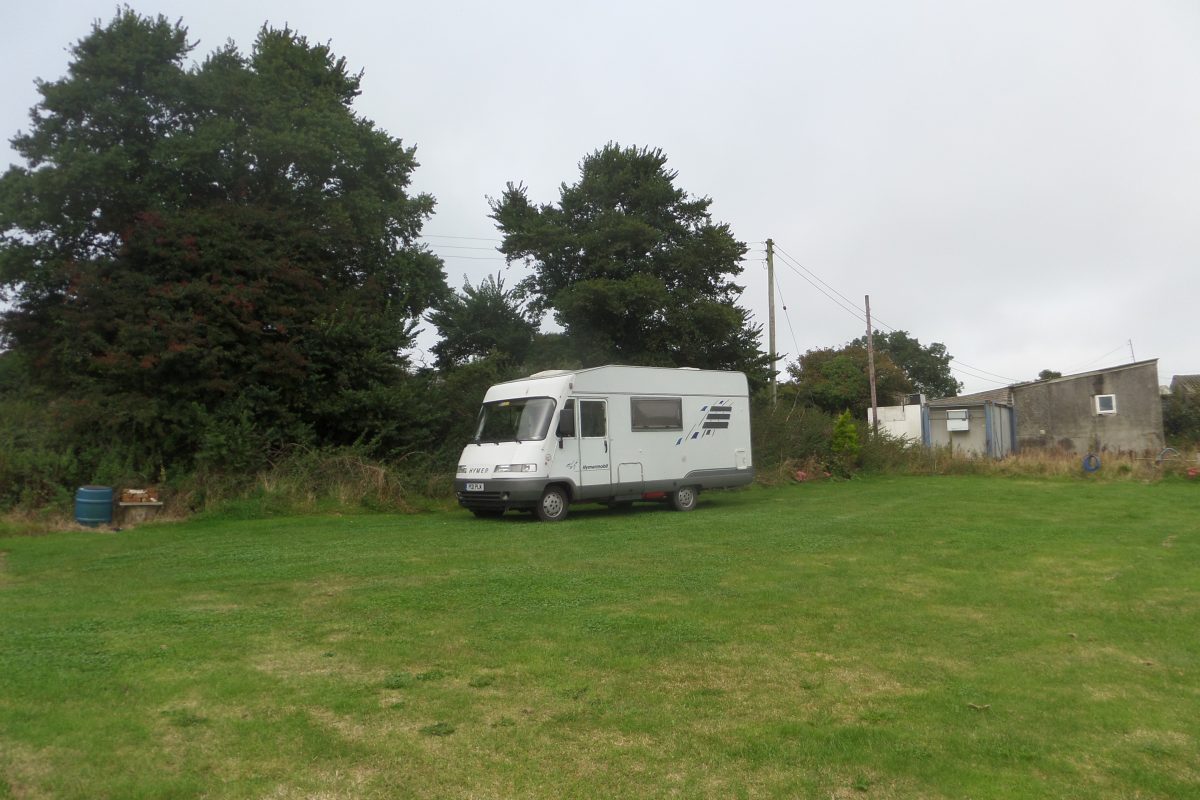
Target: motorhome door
<point>595,464</point>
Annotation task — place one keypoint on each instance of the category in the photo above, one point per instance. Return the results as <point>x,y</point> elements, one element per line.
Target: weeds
<point>791,444</point>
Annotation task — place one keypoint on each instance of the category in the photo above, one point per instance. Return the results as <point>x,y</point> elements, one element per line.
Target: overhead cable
<point>984,371</point>
<point>467,238</point>
<point>1100,358</point>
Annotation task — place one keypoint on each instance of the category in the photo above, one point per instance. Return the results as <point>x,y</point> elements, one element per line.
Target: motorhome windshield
<point>515,420</point>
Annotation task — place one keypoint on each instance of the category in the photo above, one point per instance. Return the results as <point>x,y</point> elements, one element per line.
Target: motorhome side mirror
<point>566,424</point>
<point>560,447</point>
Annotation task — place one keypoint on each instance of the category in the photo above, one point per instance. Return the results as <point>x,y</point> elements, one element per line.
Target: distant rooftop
<point>1002,395</point>
<point>1189,382</point>
<point>1101,371</point>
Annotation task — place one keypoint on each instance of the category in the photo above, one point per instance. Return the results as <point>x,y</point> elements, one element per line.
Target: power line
<point>462,247</point>
<point>787,316</point>
<point>466,238</point>
<point>1120,347</point>
<point>860,314</point>
<point>980,377</point>
<point>796,261</point>
<point>984,371</point>
<point>854,309</point>
<point>851,311</point>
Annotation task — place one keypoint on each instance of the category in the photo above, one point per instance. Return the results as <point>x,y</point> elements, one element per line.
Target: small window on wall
<point>1106,404</point>
<point>656,413</point>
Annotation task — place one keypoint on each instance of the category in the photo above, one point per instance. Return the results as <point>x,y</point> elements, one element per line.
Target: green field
<point>910,637</point>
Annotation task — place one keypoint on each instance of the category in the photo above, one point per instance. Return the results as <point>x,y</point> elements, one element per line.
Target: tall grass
<point>790,443</point>
<point>885,455</point>
<point>301,481</point>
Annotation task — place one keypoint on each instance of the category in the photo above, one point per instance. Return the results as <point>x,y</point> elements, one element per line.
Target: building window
<point>1106,404</point>
<point>656,413</point>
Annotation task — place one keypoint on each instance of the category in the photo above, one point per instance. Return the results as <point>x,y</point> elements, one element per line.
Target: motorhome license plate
<point>474,487</point>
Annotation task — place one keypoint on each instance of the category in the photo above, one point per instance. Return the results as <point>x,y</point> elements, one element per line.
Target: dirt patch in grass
<point>209,602</point>
<point>961,614</point>
<point>1161,740</point>
<point>747,690</point>
<point>289,661</point>
<point>23,769</point>
<point>346,726</point>
<point>339,784</point>
<point>1094,652</point>
<point>912,585</point>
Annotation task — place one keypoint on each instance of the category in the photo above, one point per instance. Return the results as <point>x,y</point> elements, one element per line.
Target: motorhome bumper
<point>498,495</point>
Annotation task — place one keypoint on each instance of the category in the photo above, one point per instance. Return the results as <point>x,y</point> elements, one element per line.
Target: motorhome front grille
<point>483,499</point>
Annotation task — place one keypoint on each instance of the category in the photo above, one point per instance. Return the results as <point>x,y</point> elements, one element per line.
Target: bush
<point>1181,418</point>
<point>845,445</point>
<point>787,435</point>
<point>884,453</point>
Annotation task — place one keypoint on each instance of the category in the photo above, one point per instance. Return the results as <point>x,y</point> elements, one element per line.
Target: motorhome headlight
<point>516,468</point>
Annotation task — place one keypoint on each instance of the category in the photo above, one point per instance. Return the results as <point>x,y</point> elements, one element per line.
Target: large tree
<point>926,367</point>
<point>836,379</point>
<point>226,247</point>
<point>481,320</point>
<point>633,267</point>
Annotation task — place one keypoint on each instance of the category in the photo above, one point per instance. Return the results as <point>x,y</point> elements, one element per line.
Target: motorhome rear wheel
<point>684,498</point>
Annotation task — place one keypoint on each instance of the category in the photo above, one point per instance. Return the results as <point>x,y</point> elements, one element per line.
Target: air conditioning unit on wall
<point>957,419</point>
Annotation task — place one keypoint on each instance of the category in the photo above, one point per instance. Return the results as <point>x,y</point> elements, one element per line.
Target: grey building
<point>981,423</point>
<point>1117,409</point>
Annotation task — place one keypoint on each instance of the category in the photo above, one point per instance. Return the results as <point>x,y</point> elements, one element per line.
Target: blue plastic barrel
<point>94,505</point>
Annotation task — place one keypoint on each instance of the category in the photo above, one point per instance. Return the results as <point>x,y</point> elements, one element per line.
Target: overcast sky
<point>1017,180</point>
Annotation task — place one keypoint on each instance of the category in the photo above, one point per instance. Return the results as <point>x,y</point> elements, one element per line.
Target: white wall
<point>900,421</point>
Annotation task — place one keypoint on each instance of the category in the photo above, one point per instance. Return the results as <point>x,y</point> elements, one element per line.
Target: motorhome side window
<point>525,419</point>
<point>656,413</point>
<point>566,421</point>
<point>592,422</point>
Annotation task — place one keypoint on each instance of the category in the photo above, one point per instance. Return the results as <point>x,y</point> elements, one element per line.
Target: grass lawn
<point>909,637</point>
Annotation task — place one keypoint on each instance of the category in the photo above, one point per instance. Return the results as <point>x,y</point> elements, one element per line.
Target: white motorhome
<point>610,434</point>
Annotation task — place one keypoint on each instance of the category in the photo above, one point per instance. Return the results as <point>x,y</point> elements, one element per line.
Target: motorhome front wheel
<point>553,505</point>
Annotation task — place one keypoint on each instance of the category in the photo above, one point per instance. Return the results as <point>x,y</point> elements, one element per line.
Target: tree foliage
<point>480,320</point>
<point>1181,416</point>
<point>926,367</point>
<point>1049,374</point>
<point>224,252</point>
<point>838,379</point>
<point>633,267</point>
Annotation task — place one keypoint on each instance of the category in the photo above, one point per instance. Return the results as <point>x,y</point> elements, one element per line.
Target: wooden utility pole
<point>871,366</point>
<point>771,317</point>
